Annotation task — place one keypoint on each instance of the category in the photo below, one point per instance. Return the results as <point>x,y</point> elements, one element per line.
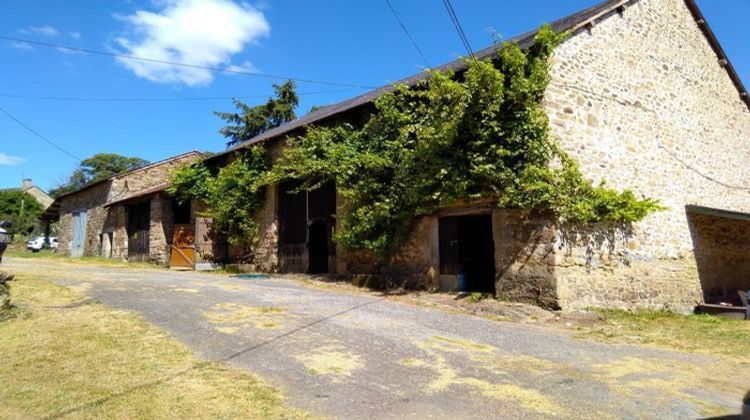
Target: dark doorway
<point>317,247</point>
<point>182,214</point>
<point>306,220</point>
<point>139,219</point>
<point>292,216</point>
<point>721,243</point>
<point>466,245</point>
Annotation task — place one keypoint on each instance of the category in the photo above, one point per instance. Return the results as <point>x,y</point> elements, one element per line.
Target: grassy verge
<point>692,333</point>
<point>18,252</point>
<point>63,357</point>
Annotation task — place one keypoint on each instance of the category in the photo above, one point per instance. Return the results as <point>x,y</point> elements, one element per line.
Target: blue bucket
<point>462,286</point>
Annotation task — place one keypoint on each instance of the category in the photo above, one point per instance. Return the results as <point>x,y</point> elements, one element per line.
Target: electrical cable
<point>457,24</point>
<point>175,63</point>
<point>50,142</point>
<point>408,35</point>
<point>185,99</point>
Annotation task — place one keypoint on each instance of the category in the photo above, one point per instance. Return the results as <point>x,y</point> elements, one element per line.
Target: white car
<point>37,243</point>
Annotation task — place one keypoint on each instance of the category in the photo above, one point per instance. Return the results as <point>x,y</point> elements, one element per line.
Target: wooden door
<point>139,219</point>
<point>183,247</point>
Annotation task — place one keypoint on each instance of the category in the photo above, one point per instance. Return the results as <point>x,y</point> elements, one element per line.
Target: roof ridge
<point>573,23</point>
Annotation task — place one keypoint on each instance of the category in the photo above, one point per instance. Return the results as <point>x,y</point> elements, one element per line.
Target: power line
<point>50,142</point>
<point>408,35</point>
<point>175,63</point>
<point>459,28</point>
<point>185,99</point>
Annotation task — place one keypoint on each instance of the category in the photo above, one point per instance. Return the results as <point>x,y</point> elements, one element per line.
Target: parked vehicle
<point>37,243</point>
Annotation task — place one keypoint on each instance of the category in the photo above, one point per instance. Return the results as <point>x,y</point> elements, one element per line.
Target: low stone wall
<point>525,257</point>
<point>603,266</point>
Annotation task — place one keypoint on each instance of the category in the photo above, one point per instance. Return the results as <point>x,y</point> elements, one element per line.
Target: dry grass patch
<point>237,315</point>
<point>89,361</point>
<point>446,376</point>
<point>331,360</point>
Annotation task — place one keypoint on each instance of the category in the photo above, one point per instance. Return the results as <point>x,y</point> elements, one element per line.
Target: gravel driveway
<point>348,356</point>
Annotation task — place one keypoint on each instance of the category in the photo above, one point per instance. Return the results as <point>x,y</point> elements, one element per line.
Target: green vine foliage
<point>482,134</point>
<point>232,194</point>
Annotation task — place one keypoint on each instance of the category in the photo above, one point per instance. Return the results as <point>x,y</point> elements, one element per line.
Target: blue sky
<point>344,41</point>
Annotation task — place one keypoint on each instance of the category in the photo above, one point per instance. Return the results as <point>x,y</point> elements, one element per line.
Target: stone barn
<point>128,216</point>
<point>642,95</point>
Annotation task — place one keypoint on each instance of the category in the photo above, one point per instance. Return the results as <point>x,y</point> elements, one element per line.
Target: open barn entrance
<point>466,247</point>
<point>317,246</point>
<point>139,220</point>
<point>306,220</point>
<point>721,242</point>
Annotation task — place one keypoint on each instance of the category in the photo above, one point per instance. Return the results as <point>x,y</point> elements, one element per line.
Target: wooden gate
<point>183,247</point>
<point>139,219</point>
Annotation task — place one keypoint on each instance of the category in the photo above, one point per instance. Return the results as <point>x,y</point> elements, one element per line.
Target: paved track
<point>349,356</point>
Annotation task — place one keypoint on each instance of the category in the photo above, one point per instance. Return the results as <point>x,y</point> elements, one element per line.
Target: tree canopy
<point>252,121</point>
<point>96,168</point>
<point>21,209</point>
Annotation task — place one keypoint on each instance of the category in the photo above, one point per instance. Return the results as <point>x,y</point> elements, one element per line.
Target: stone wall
<point>103,220</point>
<point>640,100</point>
<point>134,182</point>
<point>161,228</point>
<point>265,253</point>
<point>90,201</point>
<point>525,257</point>
<point>416,265</point>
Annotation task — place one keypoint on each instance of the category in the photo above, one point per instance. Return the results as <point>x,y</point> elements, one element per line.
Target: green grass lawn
<point>691,333</point>
<point>61,356</point>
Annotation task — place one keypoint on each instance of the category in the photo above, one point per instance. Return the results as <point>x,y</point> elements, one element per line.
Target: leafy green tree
<point>232,194</point>
<point>96,168</point>
<point>252,121</point>
<point>21,209</point>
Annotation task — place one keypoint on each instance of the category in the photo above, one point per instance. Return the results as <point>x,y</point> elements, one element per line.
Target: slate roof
<point>570,23</point>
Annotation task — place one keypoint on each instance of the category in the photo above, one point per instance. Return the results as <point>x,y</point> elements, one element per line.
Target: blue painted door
<point>79,234</point>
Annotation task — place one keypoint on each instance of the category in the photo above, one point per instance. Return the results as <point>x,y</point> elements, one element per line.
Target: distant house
<point>641,95</point>
<point>127,216</point>
<point>39,194</point>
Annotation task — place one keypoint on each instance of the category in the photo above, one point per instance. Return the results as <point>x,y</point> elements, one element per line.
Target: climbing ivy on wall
<point>232,195</point>
<point>479,135</point>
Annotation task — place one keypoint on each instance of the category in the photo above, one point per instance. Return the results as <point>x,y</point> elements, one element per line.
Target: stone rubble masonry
<point>161,227</point>
<point>638,99</point>
<point>641,101</point>
<point>104,220</point>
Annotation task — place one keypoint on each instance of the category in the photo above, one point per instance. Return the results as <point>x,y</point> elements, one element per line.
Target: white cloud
<point>74,35</point>
<point>10,160</point>
<point>247,67</point>
<point>21,46</point>
<point>201,32</point>
<point>45,30</point>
